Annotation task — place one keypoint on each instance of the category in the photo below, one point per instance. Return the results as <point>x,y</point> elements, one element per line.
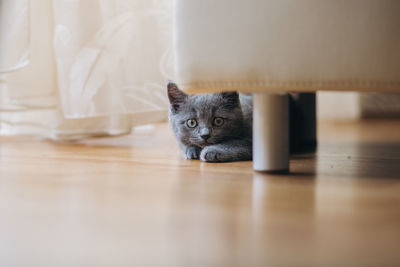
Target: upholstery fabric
<point>287,45</point>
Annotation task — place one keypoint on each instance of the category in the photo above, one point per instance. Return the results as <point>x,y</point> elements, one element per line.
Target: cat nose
<point>205,136</point>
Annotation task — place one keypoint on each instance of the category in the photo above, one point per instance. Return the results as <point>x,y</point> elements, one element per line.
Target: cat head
<point>204,119</point>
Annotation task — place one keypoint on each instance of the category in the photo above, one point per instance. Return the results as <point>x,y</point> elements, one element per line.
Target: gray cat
<point>212,127</point>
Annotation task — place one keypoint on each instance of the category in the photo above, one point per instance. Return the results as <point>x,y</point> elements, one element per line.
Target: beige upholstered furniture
<point>271,47</point>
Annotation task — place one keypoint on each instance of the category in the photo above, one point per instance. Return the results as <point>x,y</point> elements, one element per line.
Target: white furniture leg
<point>270,132</point>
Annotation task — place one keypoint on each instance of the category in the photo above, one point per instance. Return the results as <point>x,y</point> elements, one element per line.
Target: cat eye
<point>191,123</point>
<point>218,121</point>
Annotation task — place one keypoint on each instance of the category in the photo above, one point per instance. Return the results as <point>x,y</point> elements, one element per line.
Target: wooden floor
<point>133,201</point>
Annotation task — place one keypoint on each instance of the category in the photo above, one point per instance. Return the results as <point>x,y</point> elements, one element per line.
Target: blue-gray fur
<point>232,141</point>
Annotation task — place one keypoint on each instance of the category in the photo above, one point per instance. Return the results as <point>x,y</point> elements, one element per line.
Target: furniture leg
<point>270,132</point>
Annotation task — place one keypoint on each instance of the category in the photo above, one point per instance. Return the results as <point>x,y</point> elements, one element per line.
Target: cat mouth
<point>202,144</point>
<point>205,143</point>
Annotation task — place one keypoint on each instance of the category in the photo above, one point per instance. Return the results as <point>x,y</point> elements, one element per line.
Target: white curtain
<point>77,68</point>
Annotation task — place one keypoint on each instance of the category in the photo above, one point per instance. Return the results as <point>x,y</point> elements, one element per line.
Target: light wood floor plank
<point>133,201</point>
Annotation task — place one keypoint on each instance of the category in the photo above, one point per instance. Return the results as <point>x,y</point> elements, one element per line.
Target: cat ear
<point>232,98</point>
<point>176,97</point>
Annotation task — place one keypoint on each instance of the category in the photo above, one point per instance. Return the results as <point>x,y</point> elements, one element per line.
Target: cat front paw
<point>192,152</point>
<point>211,154</point>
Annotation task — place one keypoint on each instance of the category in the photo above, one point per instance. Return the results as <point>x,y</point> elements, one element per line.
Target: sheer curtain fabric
<point>72,69</point>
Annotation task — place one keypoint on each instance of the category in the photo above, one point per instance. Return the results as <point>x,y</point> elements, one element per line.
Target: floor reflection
<point>359,160</point>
